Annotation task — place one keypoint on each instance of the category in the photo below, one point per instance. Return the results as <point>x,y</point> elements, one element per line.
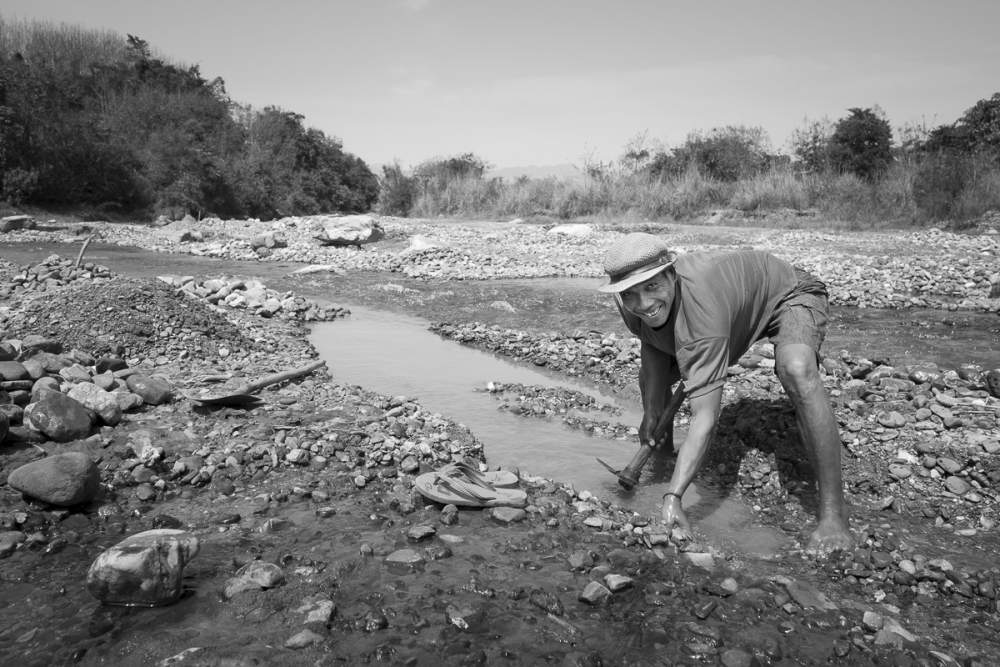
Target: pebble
<point>594,593</point>
<point>302,639</point>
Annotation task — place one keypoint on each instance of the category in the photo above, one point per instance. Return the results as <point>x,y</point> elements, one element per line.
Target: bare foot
<point>831,534</point>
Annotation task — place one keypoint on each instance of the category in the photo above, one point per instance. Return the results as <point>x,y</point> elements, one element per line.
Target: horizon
<point>563,82</point>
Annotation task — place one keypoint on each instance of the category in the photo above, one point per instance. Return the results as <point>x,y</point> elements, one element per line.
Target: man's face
<point>650,300</point>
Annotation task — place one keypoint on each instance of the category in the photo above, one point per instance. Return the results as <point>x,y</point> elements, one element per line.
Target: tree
<point>976,131</point>
<point>810,145</point>
<point>727,154</point>
<point>861,144</point>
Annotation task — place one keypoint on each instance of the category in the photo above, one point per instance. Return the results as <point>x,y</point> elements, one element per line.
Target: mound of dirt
<point>127,316</point>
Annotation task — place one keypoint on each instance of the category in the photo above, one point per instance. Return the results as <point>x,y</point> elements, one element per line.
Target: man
<point>695,315</point>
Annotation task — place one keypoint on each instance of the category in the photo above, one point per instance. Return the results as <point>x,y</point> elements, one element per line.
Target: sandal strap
<point>462,488</point>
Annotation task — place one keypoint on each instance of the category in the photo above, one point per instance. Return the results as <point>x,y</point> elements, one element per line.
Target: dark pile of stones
<point>255,297</point>
<point>129,317</point>
<point>572,408</point>
<point>606,358</point>
<point>51,273</point>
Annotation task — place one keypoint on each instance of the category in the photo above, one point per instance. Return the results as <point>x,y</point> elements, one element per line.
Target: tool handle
<point>667,418</point>
<point>275,378</point>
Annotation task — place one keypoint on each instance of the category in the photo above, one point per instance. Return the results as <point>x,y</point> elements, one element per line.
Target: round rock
<point>64,479</point>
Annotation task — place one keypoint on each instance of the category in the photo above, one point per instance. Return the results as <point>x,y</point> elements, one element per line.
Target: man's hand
<point>674,517</point>
<point>647,429</point>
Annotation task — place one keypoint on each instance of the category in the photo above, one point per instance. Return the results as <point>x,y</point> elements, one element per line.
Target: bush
<point>17,185</point>
<point>724,154</point>
<point>776,188</point>
<point>397,192</point>
<point>861,144</point>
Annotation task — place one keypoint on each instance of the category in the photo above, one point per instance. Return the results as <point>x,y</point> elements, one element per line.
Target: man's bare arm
<point>657,374</point>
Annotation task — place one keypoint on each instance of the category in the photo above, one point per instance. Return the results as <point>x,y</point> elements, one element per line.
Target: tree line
<point>94,121</point>
<point>853,169</point>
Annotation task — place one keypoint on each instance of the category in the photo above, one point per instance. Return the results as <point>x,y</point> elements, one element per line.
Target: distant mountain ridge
<point>561,171</point>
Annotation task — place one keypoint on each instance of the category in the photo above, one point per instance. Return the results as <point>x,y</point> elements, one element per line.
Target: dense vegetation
<point>92,120</point>
<point>851,170</point>
<point>94,123</point>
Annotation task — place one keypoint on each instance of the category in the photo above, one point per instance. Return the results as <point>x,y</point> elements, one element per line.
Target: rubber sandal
<point>448,487</point>
<point>493,478</point>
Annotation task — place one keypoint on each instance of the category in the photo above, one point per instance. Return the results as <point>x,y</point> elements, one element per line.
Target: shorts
<point>802,316</point>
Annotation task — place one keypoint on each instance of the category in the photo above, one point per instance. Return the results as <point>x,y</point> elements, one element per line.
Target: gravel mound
<point>127,316</point>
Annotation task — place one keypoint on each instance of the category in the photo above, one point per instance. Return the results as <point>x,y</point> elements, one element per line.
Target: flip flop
<point>450,487</point>
<point>495,478</point>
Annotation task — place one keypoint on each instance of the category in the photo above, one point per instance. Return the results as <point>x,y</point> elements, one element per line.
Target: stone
<point>594,593</point>
<point>13,223</point>
<point>303,639</point>
<point>269,240</point>
<point>578,230</point>
<point>13,370</point>
<point>9,539</point>
<point>347,230</point>
<point>700,559</point>
<point>254,576</point>
<point>957,485</point>
<point>617,582</point>
<point>34,343</point>
<point>153,389</point>
<point>466,617</point>
<point>143,570</point>
<point>110,363</point>
<point>63,479</point>
<point>807,596</point>
<point>127,400</point>
<point>992,380</point>
<point>405,557</point>
<point>891,419</point>
<point>507,515</point>
<point>59,417</point>
<point>899,471</point>
<point>949,465</point>
<point>103,403</point>
<point>420,532</point>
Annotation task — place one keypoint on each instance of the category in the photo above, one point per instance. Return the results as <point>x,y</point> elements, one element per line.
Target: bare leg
<point>796,366</point>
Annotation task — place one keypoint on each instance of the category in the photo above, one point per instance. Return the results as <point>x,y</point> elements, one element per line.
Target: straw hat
<point>634,259</point>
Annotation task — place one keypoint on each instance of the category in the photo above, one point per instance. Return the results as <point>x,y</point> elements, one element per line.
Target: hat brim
<point>634,279</point>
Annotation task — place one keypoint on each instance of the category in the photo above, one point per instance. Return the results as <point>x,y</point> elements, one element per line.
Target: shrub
<point>724,154</point>
<point>17,185</point>
<point>397,192</point>
<point>861,144</point>
<point>775,188</point>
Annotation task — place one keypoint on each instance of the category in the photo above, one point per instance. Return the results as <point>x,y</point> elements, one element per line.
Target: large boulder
<point>269,240</point>
<point>12,223</point>
<point>59,417</point>
<point>144,570</point>
<point>63,479</point>
<point>348,230</point>
<point>578,230</point>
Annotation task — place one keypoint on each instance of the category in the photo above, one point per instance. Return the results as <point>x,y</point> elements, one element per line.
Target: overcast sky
<point>539,82</point>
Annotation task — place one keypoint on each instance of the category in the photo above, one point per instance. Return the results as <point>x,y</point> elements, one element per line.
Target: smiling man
<point>696,314</point>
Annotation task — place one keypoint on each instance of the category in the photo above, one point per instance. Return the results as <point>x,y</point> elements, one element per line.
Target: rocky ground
<point>314,486</point>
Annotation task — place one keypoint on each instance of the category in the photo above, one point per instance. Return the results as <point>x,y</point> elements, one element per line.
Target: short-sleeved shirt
<point>723,302</point>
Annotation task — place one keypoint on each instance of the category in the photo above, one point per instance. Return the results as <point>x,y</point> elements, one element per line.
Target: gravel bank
<point>905,269</point>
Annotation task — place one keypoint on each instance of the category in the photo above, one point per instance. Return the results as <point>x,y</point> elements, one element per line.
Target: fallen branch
<point>83,249</point>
